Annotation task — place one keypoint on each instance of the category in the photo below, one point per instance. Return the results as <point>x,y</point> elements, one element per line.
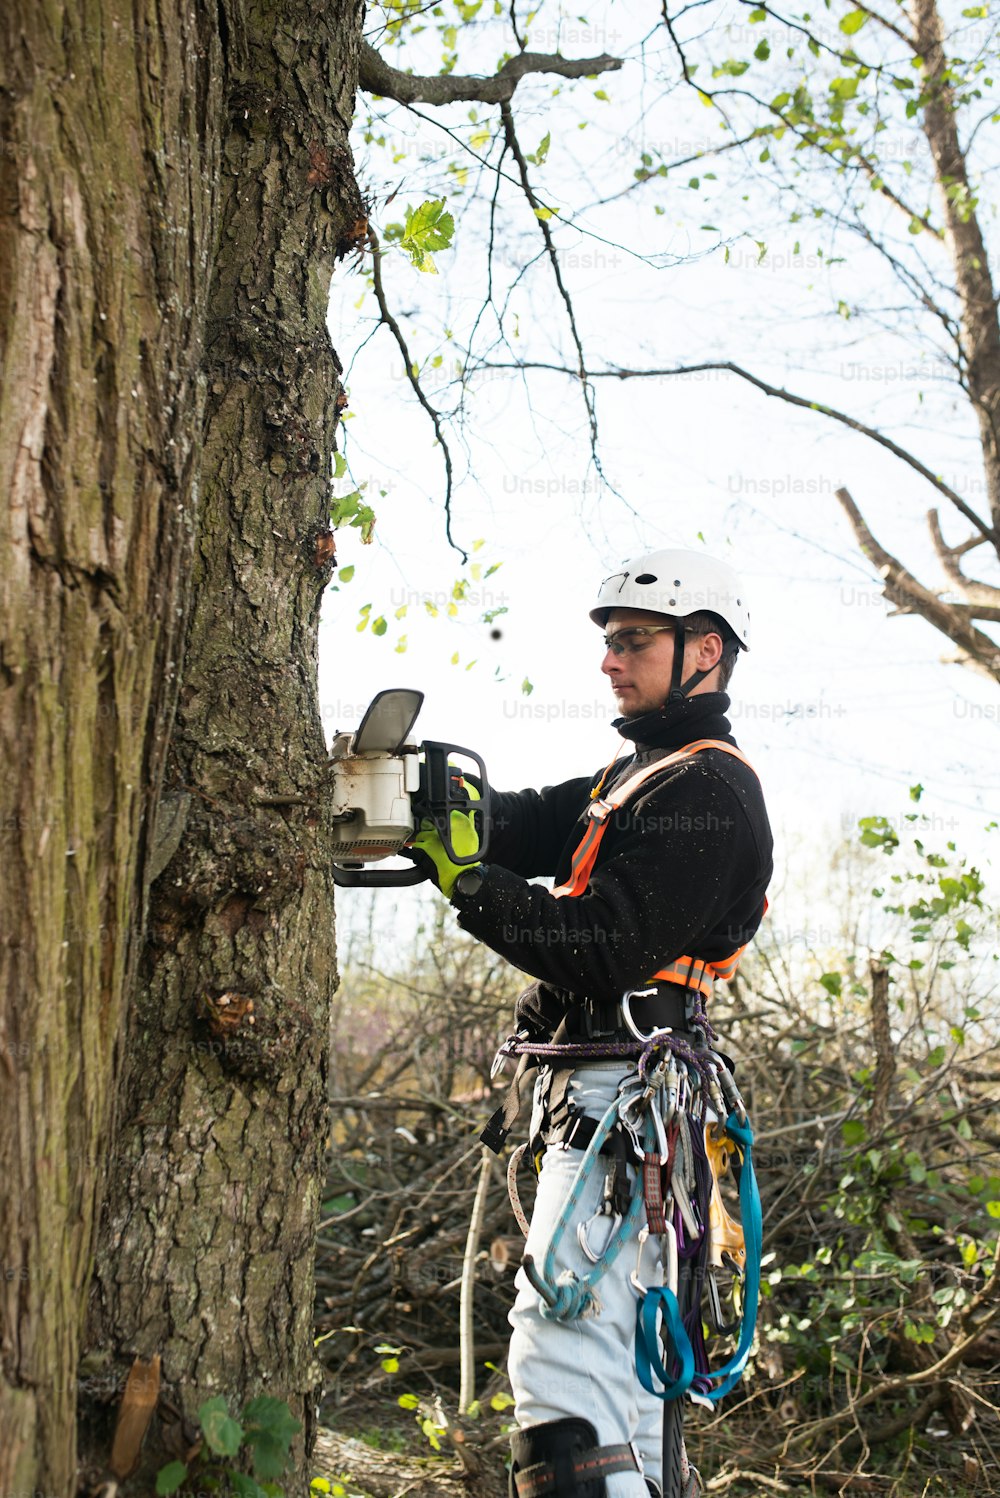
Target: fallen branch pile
<point>879,1161</point>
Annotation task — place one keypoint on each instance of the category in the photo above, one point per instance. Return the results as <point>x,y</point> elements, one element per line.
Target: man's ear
<point>708,651</point>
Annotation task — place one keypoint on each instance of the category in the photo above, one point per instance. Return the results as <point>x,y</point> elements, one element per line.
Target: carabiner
<point>626,1002</point>
<point>669,1259</point>
<point>659,1129</point>
<point>583,1235</point>
<point>730,1090</point>
<point>686,1208</point>
<point>504,1052</point>
<point>723,1327</point>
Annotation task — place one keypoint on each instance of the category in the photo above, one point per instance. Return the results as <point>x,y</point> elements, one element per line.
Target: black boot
<point>654,1488</point>
<point>561,1459</point>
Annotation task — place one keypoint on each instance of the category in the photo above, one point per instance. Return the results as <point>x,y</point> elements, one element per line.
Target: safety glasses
<point>628,641</point>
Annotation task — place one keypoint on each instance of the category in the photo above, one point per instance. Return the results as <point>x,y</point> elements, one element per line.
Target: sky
<point>841,707</point>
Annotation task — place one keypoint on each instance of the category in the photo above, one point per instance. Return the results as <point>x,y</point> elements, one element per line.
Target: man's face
<point>640,679</point>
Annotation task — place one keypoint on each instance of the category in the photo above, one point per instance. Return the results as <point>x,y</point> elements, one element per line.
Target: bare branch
<point>903,589</point>
<point>375,76</point>
<point>975,592</point>
<point>507,116</point>
<point>408,365</point>
<point>623,373</point>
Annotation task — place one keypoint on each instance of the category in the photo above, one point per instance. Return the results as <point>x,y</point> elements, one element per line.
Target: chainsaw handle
<point>365,878</point>
<point>437,799</point>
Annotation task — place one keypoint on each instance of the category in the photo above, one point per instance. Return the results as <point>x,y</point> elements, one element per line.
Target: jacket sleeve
<point>680,861</point>
<point>529,829</point>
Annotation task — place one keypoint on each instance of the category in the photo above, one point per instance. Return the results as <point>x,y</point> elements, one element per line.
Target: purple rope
<point>570,1050</point>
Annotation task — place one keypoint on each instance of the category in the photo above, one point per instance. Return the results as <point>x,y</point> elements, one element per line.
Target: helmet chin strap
<point>681,690</point>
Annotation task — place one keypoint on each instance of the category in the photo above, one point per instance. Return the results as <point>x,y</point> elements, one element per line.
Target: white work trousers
<point>586,1367</point>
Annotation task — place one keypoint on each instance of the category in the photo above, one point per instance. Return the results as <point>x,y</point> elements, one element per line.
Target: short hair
<point>707,623</point>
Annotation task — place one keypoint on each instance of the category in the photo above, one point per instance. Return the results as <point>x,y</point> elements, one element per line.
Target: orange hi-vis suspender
<point>690,972</point>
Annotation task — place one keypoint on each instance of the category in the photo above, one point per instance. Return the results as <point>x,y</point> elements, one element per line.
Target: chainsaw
<point>384,786</point>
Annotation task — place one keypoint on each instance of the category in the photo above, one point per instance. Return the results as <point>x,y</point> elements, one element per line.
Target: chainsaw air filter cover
<point>371,804</point>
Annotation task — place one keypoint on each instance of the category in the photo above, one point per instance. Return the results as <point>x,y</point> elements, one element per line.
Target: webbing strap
<point>690,972</point>
<point>600,810</point>
<point>599,1462</point>
<point>661,1299</point>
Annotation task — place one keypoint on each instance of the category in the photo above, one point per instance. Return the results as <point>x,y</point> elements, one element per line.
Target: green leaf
<point>408,1402</point>
<point>539,155</point>
<point>380,626</point>
<point>843,89</point>
<point>170,1477</point>
<point>993,1208</point>
<point>833,983</point>
<point>526,687</point>
<point>345,574</point>
<point>853,1131</point>
<point>272,1416</point>
<point>501,1402</point>
<point>545,213</point>
<point>244,1486</point>
<point>918,1331</point>
<point>731,68</point>
<point>853,22</point>
<point>339,465</point>
<point>762,51</point>
<point>223,1434</point>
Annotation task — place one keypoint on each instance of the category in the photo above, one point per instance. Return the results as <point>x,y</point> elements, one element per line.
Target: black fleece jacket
<point>681,870</point>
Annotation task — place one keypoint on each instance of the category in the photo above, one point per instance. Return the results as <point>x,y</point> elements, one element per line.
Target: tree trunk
<point>176,184</point>
<point>207,1252</point>
<point>973,282</point>
<point>107,224</point>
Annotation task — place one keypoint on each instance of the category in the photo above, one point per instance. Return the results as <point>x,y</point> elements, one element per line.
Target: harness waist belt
<point>666,1009</point>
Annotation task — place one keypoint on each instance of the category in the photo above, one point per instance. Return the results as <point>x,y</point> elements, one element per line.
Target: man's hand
<point>465,840</point>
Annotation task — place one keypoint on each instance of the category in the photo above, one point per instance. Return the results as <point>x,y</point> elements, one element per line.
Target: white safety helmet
<point>677,583</point>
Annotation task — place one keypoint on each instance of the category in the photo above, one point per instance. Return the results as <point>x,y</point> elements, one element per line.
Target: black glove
<point>539,1010</point>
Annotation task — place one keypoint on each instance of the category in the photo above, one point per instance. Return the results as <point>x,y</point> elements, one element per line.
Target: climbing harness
<point>683,1140</point>
<point>676,1129</point>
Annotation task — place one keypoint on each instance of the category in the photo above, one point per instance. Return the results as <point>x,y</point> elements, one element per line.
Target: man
<point>679,874</point>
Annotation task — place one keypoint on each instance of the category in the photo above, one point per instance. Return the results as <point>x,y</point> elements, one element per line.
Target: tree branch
<point>408,365</point>
<point>623,373</point>
<point>375,76</point>
<point>507,115</point>
<point>903,589</point>
<point>983,594</point>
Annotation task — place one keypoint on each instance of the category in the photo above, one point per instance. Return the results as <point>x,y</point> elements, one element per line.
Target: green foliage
<point>262,1436</point>
<point>426,228</point>
<point>351,509</point>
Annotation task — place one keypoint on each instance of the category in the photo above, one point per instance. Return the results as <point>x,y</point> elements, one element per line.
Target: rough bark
<point>207,1252</point>
<point>106,227</point>
<point>174,186</point>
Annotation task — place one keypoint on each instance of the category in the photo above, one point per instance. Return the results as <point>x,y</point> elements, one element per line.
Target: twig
<point>397,333</point>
